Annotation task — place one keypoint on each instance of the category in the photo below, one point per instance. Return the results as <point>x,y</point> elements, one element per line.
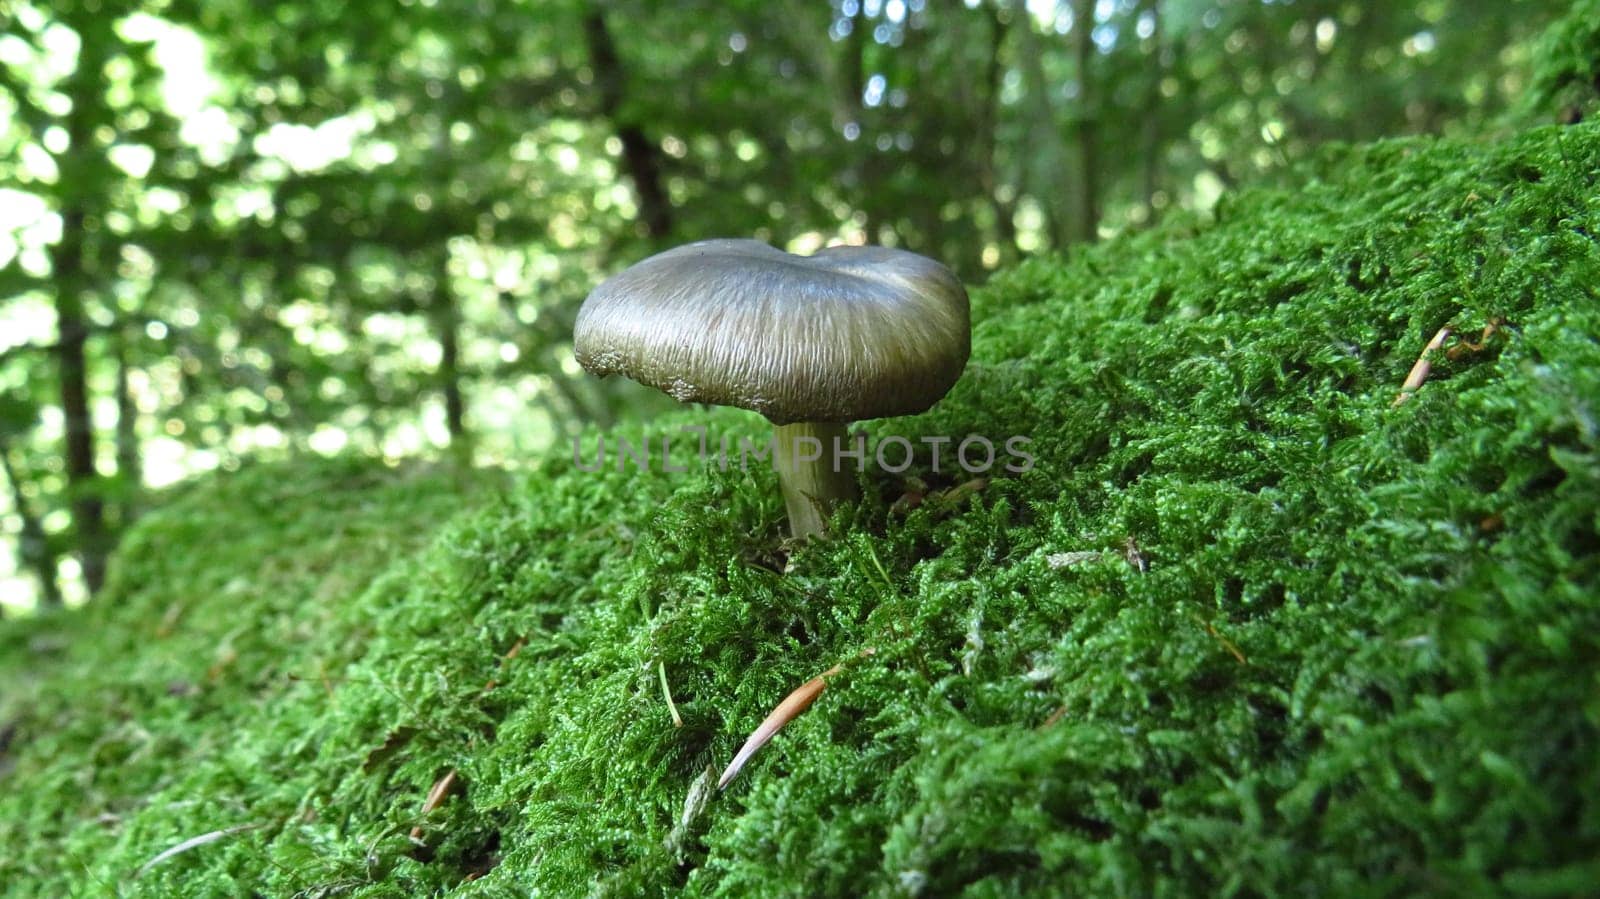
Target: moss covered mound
<point>1245,627</point>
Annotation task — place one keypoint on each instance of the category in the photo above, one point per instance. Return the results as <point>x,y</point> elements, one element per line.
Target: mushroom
<point>811,342</point>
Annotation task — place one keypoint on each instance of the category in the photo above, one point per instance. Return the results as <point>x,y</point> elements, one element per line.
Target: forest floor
<point>1251,624</point>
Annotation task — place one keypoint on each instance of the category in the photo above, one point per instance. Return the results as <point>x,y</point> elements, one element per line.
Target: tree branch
<point>642,158</point>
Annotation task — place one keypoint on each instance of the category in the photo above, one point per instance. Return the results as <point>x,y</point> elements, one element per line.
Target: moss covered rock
<point>1246,626</point>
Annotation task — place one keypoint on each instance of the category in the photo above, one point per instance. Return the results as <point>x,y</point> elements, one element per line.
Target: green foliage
<point>203,643</point>
<point>260,229</point>
<point>1567,64</point>
<point>1360,655</point>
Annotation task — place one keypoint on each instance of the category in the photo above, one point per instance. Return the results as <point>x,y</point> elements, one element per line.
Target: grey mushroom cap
<point>849,333</point>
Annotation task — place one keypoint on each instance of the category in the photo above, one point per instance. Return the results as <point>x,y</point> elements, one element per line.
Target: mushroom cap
<point>846,334</point>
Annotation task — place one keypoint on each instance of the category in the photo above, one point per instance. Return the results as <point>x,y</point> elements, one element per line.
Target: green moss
<point>221,614</point>
<point>1566,75</point>
<point>1361,654</point>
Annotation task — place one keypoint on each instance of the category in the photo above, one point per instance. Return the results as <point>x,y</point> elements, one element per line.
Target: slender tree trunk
<point>1005,213</point>
<point>1086,212</point>
<point>852,70</point>
<point>1150,135</point>
<point>130,468</point>
<point>72,372</point>
<point>34,544</point>
<point>447,326</point>
<point>592,403</point>
<point>440,306</point>
<point>924,229</point>
<point>641,157</point>
<point>853,111</point>
<point>455,412</point>
<point>78,187</point>
<point>564,403</point>
<point>295,422</point>
<point>1047,150</point>
<point>562,423</point>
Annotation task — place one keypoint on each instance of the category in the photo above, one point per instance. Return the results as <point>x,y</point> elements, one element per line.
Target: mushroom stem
<point>814,479</point>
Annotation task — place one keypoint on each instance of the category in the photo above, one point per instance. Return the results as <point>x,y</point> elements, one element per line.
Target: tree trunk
<point>1150,136</point>
<point>80,183</point>
<point>1005,213</point>
<point>447,327</point>
<point>641,157</point>
<point>455,413</point>
<point>1046,149</point>
<point>852,105</point>
<point>34,547</point>
<point>130,468</point>
<point>591,405</point>
<point>852,70</point>
<point>72,371</point>
<point>1086,211</point>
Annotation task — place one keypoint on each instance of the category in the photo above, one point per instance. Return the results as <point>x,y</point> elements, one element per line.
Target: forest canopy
<point>236,232</point>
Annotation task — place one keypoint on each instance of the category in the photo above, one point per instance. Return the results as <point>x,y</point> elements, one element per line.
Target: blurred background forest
<point>237,230</point>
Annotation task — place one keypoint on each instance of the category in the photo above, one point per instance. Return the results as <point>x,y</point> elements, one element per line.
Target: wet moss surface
<point>1246,627</point>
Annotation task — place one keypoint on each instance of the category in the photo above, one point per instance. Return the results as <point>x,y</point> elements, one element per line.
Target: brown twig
<point>1135,556</point>
<point>914,493</point>
<point>963,490</point>
<point>436,797</point>
<point>1055,716</point>
<point>1419,371</point>
<point>1227,644</point>
<point>1464,348</point>
<point>791,706</point>
<point>510,654</point>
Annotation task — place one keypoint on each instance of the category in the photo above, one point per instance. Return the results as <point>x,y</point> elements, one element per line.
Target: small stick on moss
<point>322,674</point>
<point>441,789</point>
<point>1135,556</point>
<point>226,656</point>
<point>436,797</point>
<point>169,619</point>
<point>661,669</point>
<point>915,491</point>
<point>1419,371</point>
<point>1069,559</point>
<point>194,843</point>
<point>791,706</point>
<point>1464,348</point>
<point>510,654</point>
<point>1055,716</point>
<point>1227,644</point>
<point>947,501</point>
<point>963,490</point>
<point>694,804</point>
